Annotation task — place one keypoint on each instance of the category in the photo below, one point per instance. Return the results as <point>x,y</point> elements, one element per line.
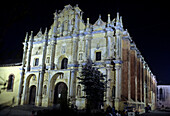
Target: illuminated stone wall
<point>7,94</point>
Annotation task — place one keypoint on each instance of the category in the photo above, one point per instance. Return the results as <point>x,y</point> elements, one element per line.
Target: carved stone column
<point>145,84</point>
<point>25,93</point>
<point>86,49</point>
<point>88,46</point>
<point>74,49</point>
<point>76,28</point>
<point>52,57</point>
<point>73,86</point>
<point>29,52</point>
<point>39,100</point>
<point>118,84</point>
<point>109,37</point>
<point>42,70</point>
<point>22,70</point>
<point>20,86</point>
<point>109,100</point>
<point>141,80</point>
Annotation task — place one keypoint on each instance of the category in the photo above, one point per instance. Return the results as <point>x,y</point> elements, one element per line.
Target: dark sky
<point>147,22</point>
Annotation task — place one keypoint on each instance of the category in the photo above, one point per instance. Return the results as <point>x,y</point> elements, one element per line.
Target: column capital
<point>108,61</point>
<point>117,66</point>
<point>73,65</point>
<point>118,61</point>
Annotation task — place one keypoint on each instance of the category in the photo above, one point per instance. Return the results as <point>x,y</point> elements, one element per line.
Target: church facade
<point>52,61</point>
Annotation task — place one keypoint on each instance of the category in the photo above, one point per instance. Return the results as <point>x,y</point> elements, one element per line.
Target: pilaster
<point>109,36</point>
<point>74,49</point>
<point>22,70</point>
<point>39,100</point>
<point>109,99</point>
<point>118,83</point>
<point>30,44</point>
<point>141,80</point>
<point>73,86</point>
<point>52,57</point>
<point>42,69</point>
<point>25,93</point>
<point>21,86</point>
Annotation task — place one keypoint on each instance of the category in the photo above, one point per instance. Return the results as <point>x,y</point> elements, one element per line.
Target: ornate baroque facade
<point>52,60</point>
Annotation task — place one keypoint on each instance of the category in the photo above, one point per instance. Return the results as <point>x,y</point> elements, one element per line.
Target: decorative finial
<point>108,20</point>
<point>31,36</point>
<point>26,37</point>
<point>31,33</point>
<point>55,14</point>
<point>121,23</point>
<point>40,30</point>
<point>87,25</point>
<point>88,21</point>
<point>99,16</point>
<point>45,31</point>
<point>117,20</point>
<point>46,34</point>
<point>113,21</point>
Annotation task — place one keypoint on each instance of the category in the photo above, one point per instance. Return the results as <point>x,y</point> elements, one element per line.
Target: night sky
<point>147,22</point>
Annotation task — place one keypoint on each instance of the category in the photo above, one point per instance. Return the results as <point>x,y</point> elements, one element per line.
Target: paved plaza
<point>157,113</point>
<point>27,110</point>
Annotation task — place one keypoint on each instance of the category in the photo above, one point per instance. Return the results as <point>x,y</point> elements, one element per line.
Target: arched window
<point>160,93</point>
<point>10,82</point>
<point>78,91</point>
<point>64,63</point>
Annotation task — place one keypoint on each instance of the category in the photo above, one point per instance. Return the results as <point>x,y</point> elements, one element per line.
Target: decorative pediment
<point>66,11</point>
<point>39,34</point>
<point>99,24</point>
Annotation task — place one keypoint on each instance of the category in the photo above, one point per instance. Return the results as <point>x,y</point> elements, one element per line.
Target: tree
<point>94,85</point>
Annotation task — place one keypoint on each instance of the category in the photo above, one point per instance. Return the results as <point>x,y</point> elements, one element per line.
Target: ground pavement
<point>24,110</point>
<point>27,110</point>
<point>157,113</point>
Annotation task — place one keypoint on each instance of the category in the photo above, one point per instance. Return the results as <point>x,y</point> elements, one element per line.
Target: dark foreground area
<point>28,110</point>
<point>42,111</point>
<point>157,113</point>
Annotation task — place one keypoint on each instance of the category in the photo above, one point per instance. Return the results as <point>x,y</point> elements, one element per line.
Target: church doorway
<point>60,93</point>
<point>32,95</point>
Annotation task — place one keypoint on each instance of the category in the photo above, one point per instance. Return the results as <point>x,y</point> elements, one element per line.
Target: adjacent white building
<point>163,96</point>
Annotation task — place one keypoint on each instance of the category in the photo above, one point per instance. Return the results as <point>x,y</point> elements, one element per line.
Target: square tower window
<point>98,56</point>
<point>36,63</point>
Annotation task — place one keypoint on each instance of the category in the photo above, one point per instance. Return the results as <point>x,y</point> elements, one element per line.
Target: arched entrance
<point>32,95</point>
<point>60,94</point>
